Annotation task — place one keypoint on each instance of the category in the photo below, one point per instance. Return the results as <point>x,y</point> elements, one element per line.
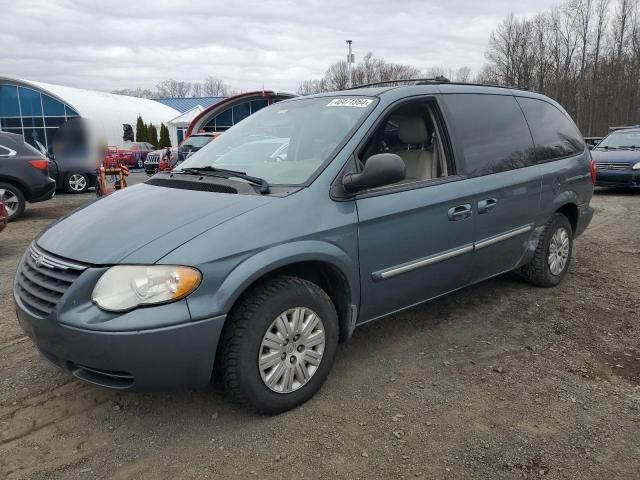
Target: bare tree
<point>173,89</point>
<point>135,92</point>
<point>214,87</point>
<point>583,53</point>
<point>369,70</point>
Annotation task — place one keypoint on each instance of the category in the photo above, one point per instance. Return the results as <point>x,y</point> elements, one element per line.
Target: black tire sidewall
<point>262,398</point>
<point>557,222</point>
<point>67,187</point>
<point>20,196</point>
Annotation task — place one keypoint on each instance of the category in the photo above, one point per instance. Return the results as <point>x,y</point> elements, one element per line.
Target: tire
<point>13,200</point>
<point>244,337</point>
<point>540,270</point>
<point>76,183</point>
<point>140,163</point>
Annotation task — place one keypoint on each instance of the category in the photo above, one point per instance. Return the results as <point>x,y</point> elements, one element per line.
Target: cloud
<point>118,44</point>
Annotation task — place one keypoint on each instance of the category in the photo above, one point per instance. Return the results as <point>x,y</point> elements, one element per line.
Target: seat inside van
<point>411,133</point>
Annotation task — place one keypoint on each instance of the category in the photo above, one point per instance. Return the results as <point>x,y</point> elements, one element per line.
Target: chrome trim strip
<point>45,260</point>
<point>423,262</point>
<point>439,257</point>
<point>12,153</point>
<point>503,236</point>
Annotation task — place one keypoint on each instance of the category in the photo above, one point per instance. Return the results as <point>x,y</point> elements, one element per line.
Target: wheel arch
<point>328,266</point>
<point>16,183</point>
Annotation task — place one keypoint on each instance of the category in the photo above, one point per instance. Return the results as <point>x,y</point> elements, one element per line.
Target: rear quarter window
<point>554,134</point>
<point>489,132</point>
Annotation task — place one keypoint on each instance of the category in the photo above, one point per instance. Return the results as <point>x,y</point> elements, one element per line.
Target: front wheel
<point>552,258</point>
<point>279,345</point>
<point>140,163</point>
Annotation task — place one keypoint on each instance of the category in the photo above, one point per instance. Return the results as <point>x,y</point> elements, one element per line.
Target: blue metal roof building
<point>186,104</point>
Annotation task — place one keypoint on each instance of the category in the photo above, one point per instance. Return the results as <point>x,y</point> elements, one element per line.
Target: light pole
<point>350,61</point>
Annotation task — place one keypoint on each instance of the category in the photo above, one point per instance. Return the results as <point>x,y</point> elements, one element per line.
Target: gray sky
<point>113,44</point>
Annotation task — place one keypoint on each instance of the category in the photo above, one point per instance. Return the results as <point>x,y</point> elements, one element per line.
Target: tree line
<point>149,133</point>
<point>208,87</point>
<point>584,53</point>
<point>370,70</point>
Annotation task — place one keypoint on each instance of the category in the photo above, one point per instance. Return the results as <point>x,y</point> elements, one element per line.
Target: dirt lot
<point>501,380</point>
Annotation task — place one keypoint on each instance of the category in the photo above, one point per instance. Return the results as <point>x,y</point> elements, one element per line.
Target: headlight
<point>125,287</point>
<point>636,166</point>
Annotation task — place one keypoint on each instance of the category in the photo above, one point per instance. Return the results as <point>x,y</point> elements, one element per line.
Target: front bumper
<point>179,354</point>
<point>624,179</point>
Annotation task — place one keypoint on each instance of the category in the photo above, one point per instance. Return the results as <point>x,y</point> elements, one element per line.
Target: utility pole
<point>350,61</point>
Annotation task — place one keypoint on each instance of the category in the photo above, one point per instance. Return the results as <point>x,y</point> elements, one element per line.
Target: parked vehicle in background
<point>258,264</point>
<point>4,216</point>
<point>617,159</point>
<point>130,154</point>
<point>153,160</point>
<point>194,143</point>
<point>24,175</point>
<point>72,173</point>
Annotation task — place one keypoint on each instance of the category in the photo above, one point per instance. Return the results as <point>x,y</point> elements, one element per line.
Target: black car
<point>24,175</point>
<point>72,175</point>
<point>194,143</point>
<point>617,159</point>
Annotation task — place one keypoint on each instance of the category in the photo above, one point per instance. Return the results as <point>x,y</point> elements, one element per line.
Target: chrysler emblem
<point>39,261</point>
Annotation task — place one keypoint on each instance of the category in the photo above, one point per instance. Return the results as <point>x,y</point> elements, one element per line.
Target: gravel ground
<point>498,381</point>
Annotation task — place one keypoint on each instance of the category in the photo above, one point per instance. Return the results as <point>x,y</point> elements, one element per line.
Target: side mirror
<point>381,169</point>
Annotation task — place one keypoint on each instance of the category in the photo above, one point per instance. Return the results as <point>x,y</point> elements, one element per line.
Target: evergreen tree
<point>152,135</point>
<point>141,130</point>
<point>164,137</point>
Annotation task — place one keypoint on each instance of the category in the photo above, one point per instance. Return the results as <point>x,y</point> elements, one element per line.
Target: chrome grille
<point>42,279</point>
<point>153,158</point>
<point>613,166</point>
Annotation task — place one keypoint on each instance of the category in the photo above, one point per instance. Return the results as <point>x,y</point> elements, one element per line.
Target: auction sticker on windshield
<point>350,102</point>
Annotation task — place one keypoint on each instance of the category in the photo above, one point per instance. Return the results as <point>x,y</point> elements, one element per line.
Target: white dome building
<point>36,110</point>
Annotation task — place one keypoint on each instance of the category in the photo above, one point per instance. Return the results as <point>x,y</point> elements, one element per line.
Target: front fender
<point>218,298</point>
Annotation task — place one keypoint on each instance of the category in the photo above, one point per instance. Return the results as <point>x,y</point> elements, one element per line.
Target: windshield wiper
<point>627,147</point>
<point>224,173</point>
<point>606,147</point>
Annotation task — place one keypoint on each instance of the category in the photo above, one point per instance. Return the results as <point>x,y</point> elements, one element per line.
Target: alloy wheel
<point>77,182</point>
<point>10,200</point>
<point>558,251</point>
<point>291,350</point>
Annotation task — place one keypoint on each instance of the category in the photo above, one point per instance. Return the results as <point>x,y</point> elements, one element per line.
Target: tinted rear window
<point>554,134</point>
<point>490,131</point>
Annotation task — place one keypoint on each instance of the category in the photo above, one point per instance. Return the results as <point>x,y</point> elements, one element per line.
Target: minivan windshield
<point>621,140</point>
<point>285,143</point>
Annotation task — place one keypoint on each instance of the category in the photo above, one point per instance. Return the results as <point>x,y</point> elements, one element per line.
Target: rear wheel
<point>279,345</point>
<point>13,200</point>
<point>552,258</point>
<point>76,183</point>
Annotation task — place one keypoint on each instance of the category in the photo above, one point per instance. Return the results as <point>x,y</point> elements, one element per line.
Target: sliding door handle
<point>485,205</point>
<point>460,212</point>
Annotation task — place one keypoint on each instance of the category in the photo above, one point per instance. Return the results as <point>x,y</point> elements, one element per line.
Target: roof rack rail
<point>432,81</point>
<point>415,81</point>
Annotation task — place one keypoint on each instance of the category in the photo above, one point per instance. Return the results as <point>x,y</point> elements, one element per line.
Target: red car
<point>131,154</point>
<point>3,216</point>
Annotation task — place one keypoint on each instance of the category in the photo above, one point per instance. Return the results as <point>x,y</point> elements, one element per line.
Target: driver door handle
<point>460,212</point>
<point>487,204</point>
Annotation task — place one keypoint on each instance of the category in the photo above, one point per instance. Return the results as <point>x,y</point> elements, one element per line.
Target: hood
<point>115,229</point>
<point>616,156</point>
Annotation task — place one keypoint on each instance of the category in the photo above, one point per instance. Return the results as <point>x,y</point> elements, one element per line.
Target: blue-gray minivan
<point>346,207</point>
